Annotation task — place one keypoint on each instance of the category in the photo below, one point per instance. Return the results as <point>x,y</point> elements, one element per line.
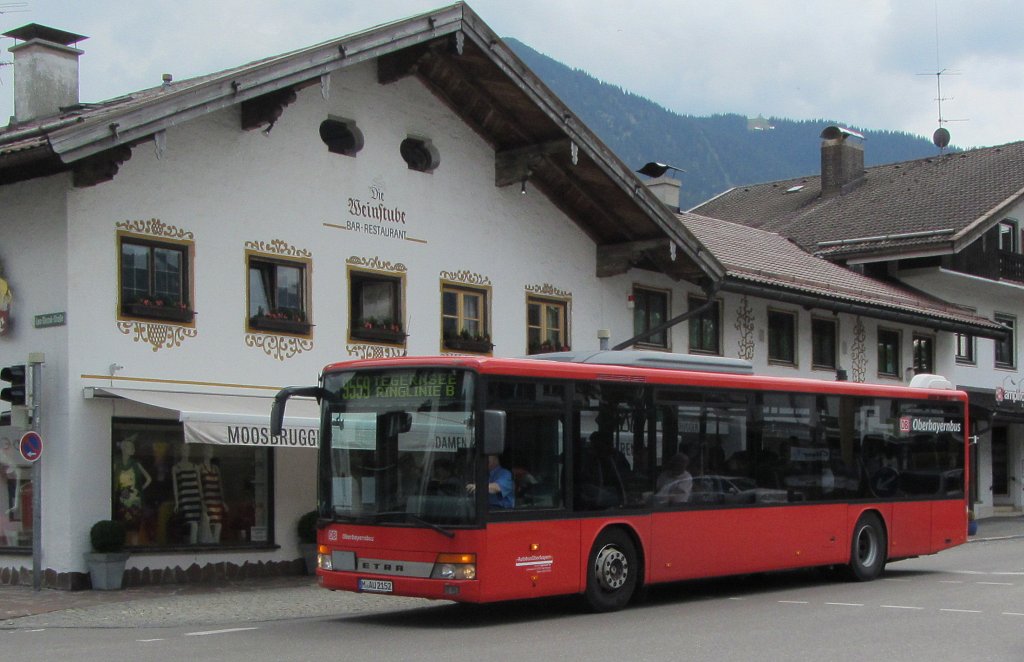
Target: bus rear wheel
<point>867,549</point>
<point>612,571</point>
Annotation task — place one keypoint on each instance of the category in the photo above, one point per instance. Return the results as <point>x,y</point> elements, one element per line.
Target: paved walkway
<point>250,600</point>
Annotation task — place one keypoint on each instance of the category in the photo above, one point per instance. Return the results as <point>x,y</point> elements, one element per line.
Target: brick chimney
<point>45,71</point>
<point>842,159</point>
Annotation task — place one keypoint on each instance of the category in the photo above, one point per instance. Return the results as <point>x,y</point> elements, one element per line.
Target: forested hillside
<point>717,152</point>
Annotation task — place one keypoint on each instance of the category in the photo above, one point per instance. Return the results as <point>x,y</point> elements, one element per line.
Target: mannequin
<point>187,498</point>
<point>130,480</point>
<point>214,507</point>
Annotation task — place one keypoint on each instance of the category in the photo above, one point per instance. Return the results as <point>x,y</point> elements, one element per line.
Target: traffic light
<point>15,393</point>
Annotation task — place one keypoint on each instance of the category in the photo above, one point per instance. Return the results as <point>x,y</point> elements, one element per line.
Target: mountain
<point>717,152</point>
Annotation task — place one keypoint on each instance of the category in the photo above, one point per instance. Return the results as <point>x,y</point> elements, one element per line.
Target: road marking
<point>794,602</point>
<point>995,583</point>
<point>225,631</point>
<point>146,641</point>
<point>950,581</point>
<point>962,611</point>
<point>1011,613</point>
<point>845,604</point>
<point>901,607</point>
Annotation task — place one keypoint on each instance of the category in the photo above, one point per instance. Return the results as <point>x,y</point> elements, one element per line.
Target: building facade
<point>948,226</point>
<point>177,255</point>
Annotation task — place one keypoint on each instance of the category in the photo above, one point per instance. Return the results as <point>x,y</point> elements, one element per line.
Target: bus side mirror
<point>277,411</point>
<point>494,432</point>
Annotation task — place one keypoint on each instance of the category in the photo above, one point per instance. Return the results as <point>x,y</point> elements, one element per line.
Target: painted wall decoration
<point>745,325</point>
<point>859,351</point>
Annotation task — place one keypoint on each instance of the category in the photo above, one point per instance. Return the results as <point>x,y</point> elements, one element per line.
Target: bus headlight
<point>454,566</point>
<point>323,558</point>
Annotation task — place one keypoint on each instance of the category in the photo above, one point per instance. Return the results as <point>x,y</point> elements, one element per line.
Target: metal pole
<point>35,360</point>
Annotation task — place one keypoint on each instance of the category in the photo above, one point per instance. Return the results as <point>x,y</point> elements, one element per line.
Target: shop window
<point>15,492</point>
<point>547,325</point>
<point>823,343</point>
<point>170,494</point>
<point>782,337</point>
<point>419,154</point>
<point>924,355</point>
<point>1006,349</point>
<point>278,300</point>
<point>888,353</point>
<point>465,326</point>
<point>341,136</point>
<point>155,279</point>
<point>705,328</point>
<point>376,307</point>
<point>650,309</point>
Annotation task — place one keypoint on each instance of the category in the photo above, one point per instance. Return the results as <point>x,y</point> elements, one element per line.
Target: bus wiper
<point>418,520</point>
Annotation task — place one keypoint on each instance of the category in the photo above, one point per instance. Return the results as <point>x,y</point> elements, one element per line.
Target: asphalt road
<point>963,604</point>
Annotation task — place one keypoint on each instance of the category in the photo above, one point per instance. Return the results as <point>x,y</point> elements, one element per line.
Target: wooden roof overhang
<point>538,141</point>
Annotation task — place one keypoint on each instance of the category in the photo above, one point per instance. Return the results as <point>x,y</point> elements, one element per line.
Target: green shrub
<point>307,527</point>
<point>107,536</point>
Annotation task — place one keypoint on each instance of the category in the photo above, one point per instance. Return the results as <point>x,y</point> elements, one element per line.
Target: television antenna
<point>941,135</point>
<point>12,8</point>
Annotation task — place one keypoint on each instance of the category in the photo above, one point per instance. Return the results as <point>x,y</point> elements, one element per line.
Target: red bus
<point>486,479</point>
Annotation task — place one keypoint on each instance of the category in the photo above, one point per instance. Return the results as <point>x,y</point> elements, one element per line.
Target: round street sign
<point>31,446</point>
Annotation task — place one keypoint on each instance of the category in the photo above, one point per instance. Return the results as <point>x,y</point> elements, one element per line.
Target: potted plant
<point>160,309</point>
<point>280,320</point>
<point>379,330</point>
<point>306,530</point>
<point>465,341</point>
<point>108,558</point>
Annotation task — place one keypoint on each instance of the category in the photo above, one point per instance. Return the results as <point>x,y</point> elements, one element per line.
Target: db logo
<point>905,424</point>
<point>332,534</point>
<point>1000,394</point>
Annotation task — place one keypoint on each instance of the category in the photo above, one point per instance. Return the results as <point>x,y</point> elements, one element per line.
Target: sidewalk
<point>252,600</point>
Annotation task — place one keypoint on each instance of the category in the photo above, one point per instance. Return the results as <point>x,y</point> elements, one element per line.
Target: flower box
<point>379,335</point>
<point>277,325</point>
<point>166,313</point>
<point>468,345</point>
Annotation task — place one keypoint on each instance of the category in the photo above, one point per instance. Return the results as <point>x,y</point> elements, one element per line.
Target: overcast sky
<point>867,63</point>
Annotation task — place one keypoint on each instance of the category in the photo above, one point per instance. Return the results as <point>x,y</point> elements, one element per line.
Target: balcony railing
<point>1011,266</point>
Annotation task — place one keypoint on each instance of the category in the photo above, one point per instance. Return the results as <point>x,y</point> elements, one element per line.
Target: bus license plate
<point>375,586</point>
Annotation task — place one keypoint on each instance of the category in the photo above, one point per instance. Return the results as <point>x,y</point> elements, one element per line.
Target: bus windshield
<point>400,446</point>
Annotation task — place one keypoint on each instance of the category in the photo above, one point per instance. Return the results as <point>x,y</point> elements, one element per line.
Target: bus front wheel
<point>612,571</point>
<point>868,548</point>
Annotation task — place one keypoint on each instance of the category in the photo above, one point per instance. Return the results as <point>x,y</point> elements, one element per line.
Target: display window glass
<point>169,493</point>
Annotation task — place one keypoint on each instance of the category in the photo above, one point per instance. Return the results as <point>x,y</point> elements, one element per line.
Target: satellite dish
<point>940,137</point>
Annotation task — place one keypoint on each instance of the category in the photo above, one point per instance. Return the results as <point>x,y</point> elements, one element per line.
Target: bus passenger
<point>500,488</point>
<point>675,483</point>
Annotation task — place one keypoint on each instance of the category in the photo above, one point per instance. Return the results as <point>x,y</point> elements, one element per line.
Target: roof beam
<point>616,259</point>
<point>512,166</point>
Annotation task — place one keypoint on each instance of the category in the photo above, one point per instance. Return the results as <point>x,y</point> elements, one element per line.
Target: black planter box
<point>465,345</point>
<point>166,313</point>
<point>280,326</point>
<point>379,335</point>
